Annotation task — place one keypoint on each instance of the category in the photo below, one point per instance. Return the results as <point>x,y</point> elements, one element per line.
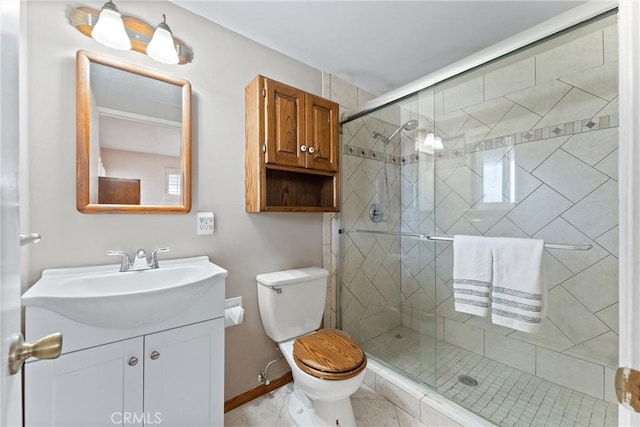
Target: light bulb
<point>109,30</point>
<point>161,47</point>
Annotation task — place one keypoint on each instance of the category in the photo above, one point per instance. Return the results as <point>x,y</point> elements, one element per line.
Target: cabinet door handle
<point>133,361</point>
<point>311,150</point>
<point>303,148</point>
<point>154,355</point>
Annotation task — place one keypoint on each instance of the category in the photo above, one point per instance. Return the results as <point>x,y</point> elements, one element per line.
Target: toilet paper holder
<point>233,312</point>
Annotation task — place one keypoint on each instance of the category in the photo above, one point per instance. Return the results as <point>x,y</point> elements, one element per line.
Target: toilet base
<point>305,412</point>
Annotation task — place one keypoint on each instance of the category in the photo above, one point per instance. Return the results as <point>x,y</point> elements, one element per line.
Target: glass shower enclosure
<point>524,146</point>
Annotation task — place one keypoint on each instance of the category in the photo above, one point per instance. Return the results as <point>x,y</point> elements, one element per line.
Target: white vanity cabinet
<point>169,372</point>
<point>161,379</point>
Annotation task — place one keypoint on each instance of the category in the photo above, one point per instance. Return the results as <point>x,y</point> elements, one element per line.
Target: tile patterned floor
<point>504,395</point>
<point>370,408</point>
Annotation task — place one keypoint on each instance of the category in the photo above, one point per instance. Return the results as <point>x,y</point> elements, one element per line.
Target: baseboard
<point>254,393</point>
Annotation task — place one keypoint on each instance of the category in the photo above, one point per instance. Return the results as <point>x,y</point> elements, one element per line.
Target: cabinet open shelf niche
<point>288,191</point>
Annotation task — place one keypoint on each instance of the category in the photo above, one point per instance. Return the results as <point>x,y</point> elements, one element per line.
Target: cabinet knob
<point>154,355</point>
<point>133,361</point>
<point>311,150</point>
<point>303,148</point>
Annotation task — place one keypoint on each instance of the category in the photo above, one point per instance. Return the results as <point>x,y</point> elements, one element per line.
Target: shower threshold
<point>503,395</point>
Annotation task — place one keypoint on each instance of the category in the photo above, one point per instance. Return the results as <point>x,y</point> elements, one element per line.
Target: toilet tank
<point>292,301</point>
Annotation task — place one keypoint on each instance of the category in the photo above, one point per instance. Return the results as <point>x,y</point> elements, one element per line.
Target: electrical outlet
<point>205,223</point>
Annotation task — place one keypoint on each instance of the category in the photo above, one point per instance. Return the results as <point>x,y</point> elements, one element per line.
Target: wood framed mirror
<point>133,138</point>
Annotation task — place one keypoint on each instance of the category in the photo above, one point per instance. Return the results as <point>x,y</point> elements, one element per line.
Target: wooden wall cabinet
<point>292,149</point>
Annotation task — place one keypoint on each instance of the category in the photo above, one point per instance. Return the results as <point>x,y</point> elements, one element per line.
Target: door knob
<point>303,148</point>
<point>155,355</point>
<point>48,347</point>
<point>133,361</point>
<point>311,150</point>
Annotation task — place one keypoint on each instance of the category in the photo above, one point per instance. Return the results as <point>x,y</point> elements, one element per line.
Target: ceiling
<point>378,45</point>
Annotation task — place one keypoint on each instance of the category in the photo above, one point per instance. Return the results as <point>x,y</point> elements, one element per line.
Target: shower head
<point>409,125</point>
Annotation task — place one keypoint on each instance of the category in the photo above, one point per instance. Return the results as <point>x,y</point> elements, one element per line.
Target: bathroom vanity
<point>161,362</point>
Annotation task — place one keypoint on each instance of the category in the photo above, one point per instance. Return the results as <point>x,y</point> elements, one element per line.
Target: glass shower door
<point>530,151</point>
<point>385,278</point>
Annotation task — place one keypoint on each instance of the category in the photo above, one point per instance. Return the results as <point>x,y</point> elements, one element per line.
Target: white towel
<point>519,293</point>
<point>472,274</point>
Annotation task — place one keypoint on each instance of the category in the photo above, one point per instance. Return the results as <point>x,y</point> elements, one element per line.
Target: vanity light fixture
<point>109,30</point>
<point>161,47</point>
<point>139,36</point>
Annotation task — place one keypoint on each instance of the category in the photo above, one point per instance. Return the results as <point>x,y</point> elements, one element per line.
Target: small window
<point>173,182</point>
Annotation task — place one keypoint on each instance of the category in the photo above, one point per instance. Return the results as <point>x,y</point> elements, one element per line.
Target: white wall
<point>244,244</point>
<point>148,168</point>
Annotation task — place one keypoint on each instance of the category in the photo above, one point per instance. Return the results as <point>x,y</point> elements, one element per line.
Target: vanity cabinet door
<point>321,133</point>
<point>183,370</point>
<point>99,386</point>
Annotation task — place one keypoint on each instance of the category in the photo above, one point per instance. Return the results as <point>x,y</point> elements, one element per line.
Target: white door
<point>10,385</point>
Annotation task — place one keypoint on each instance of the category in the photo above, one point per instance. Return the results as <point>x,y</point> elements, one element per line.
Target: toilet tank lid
<point>287,277</point>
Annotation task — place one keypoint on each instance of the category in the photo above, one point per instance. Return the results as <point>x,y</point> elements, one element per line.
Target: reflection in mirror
<point>133,138</point>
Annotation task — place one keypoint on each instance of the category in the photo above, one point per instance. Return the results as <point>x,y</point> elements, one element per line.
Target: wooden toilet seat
<point>329,355</point>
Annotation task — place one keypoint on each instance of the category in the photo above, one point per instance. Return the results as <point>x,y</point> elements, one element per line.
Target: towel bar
<point>571,247</point>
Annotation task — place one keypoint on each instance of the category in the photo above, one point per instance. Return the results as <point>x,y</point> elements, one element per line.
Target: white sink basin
<point>104,297</point>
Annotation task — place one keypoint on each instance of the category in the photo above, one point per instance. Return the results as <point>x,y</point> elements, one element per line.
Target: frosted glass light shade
<point>109,30</point>
<point>429,144</point>
<point>161,47</point>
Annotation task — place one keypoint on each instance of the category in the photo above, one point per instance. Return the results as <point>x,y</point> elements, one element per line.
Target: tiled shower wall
<point>347,96</point>
<point>370,274</point>
<point>531,151</point>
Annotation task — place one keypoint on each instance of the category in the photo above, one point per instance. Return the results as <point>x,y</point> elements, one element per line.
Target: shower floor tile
<point>504,395</point>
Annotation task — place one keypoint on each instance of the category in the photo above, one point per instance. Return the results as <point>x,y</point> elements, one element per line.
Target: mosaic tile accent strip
<point>539,134</point>
<point>504,395</point>
<point>352,150</point>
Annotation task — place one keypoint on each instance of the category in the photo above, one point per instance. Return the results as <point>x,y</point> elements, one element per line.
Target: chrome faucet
<point>141,261</point>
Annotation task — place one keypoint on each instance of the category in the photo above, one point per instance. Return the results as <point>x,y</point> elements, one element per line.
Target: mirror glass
<point>134,139</point>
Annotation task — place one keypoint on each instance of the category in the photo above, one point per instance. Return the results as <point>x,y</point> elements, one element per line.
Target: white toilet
<point>327,366</point>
